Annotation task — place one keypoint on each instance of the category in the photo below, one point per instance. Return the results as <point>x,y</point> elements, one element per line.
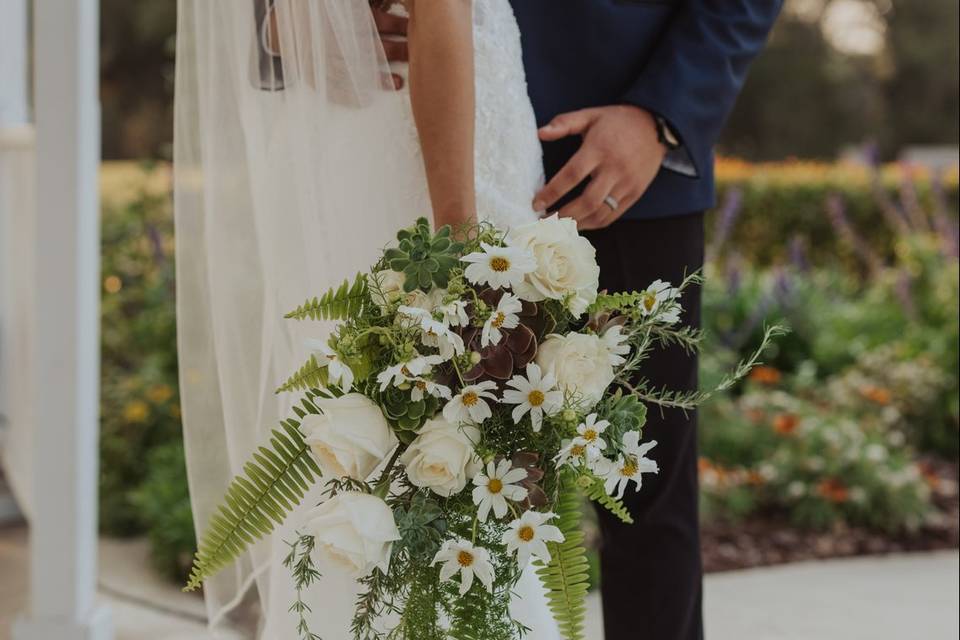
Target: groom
<point>631,96</point>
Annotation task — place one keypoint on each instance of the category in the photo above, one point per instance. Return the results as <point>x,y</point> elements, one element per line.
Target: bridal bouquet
<point>471,394</point>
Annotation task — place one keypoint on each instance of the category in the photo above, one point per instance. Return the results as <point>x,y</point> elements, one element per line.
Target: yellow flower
<point>159,393</point>
<point>136,411</point>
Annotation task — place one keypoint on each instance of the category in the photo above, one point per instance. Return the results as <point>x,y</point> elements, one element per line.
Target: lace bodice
<point>509,163</point>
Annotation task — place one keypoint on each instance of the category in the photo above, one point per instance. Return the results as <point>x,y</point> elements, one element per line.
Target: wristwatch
<point>665,134</point>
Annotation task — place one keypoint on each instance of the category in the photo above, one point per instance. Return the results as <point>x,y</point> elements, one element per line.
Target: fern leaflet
<point>566,576</point>
<point>275,479</point>
<point>339,303</point>
<point>312,374</point>
<point>598,493</point>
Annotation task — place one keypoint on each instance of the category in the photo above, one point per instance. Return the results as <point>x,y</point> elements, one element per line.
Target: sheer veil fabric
<point>293,168</point>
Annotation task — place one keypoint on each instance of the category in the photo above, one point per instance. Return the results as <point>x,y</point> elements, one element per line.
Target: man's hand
<point>620,153</point>
<point>393,35</point>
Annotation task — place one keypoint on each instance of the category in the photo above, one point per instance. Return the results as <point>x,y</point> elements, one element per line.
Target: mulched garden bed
<point>770,540</point>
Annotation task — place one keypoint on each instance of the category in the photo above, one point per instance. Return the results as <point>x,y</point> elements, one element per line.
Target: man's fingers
<point>573,173</point>
<point>567,124</point>
<point>390,24</point>
<point>605,215</point>
<point>591,200</point>
<point>396,50</point>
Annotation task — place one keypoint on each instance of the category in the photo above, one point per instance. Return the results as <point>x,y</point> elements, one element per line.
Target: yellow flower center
<point>498,319</point>
<point>649,300</point>
<point>525,533</point>
<point>578,450</point>
<point>421,385</point>
<point>406,371</point>
<point>589,435</point>
<point>499,263</point>
<point>629,469</point>
<point>535,398</point>
<point>465,558</point>
<point>495,485</point>
<point>470,399</point>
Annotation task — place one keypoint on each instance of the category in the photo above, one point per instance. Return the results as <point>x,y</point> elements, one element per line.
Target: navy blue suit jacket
<point>682,59</point>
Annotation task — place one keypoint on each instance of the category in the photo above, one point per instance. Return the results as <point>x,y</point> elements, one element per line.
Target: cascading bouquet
<point>471,394</point>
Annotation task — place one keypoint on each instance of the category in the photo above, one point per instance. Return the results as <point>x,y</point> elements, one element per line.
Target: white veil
<point>291,172</point>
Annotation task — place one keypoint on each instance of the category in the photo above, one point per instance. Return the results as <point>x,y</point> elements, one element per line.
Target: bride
<point>295,163</point>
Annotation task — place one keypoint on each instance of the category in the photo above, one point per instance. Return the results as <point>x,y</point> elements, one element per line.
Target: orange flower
<point>754,478</point>
<point>785,423</point>
<point>930,476</point>
<point>879,395</point>
<point>765,374</point>
<point>833,490</point>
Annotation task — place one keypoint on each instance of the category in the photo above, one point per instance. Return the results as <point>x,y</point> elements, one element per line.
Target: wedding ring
<point>611,202</point>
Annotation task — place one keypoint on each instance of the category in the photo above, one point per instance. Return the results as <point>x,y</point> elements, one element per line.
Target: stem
<point>382,486</point>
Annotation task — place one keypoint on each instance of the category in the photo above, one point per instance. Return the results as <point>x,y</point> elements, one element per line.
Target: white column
<point>16,170</point>
<point>65,340</point>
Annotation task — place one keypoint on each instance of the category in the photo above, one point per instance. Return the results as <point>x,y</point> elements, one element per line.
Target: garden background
<point>838,217</point>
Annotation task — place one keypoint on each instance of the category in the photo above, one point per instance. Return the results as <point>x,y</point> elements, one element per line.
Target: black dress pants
<point>651,571</point>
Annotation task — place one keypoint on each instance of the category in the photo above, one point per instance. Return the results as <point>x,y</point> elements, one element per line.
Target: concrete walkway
<point>876,598</point>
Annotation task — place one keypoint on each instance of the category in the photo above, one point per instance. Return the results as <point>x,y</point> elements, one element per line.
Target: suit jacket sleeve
<point>696,70</point>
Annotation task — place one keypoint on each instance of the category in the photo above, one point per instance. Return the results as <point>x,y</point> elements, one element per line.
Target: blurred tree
<point>136,64</point>
<point>836,73</point>
<point>921,93</point>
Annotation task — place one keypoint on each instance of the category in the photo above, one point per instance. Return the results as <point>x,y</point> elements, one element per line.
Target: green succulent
<point>425,258</point>
<point>404,414</point>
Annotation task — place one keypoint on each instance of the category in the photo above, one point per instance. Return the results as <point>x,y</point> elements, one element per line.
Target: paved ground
<point>878,598</point>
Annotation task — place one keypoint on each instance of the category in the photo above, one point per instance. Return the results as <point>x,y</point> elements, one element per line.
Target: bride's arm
<point>440,37</point>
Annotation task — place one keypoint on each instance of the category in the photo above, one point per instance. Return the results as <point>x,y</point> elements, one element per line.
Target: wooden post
<point>65,341</point>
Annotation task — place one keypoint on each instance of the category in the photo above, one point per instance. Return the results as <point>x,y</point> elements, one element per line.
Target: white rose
<point>442,458</point>
<point>580,362</point>
<point>350,438</point>
<point>353,531</point>
<point>566,263</point>
<point>388,287</point>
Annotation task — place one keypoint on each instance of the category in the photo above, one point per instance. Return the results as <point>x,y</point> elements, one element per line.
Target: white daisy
<point>661,299</point>
<point>434,333</point>
<point>463,557</point>
<point>503,317</point>
<point>617,344</point>
<point>588,434</point>
<point>495,487</point>
<point>414,313</point>
<point>439,336</point>
<point>630,465</point>
<point>454,313</point>
<point>338,372</point>
<point>469,405</point>
<point>572,452</point>
<point>498,267</point>
<point>423,387</point>
<point>528,535</point>
<point>405,372</point>
<point>535,393</point>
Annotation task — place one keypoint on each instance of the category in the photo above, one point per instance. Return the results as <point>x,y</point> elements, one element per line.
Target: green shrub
<point>139,402</point>
<point>163,505</point>
<point>815,464</point>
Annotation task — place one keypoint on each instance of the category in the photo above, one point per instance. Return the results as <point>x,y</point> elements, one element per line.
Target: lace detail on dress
<point>508,157</point>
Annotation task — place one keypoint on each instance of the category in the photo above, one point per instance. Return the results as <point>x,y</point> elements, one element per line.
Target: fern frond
<point>311,375</point>
<point>339,303</point>
<point>566,577</point>
<point>598,493</point>
<point>275,479</point>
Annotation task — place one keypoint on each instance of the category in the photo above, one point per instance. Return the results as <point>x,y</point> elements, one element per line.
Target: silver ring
<point>611,202</point>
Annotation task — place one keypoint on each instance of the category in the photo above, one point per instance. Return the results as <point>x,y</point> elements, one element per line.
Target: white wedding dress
<point>260,173</point>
